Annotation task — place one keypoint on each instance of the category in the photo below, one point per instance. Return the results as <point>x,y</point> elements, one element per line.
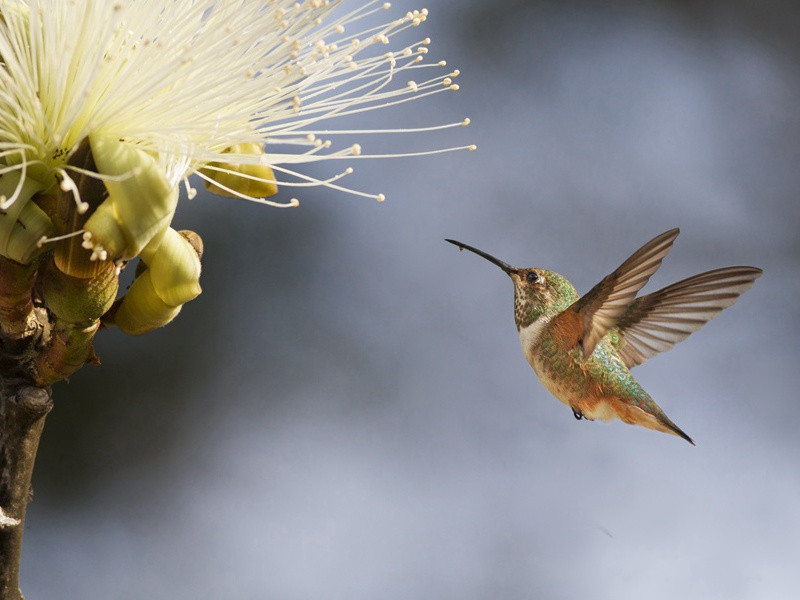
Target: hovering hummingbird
<point>582,349</point>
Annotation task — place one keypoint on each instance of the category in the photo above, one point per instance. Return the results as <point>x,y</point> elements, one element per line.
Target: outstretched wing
<point>606,302</point>
<point>656,322</point>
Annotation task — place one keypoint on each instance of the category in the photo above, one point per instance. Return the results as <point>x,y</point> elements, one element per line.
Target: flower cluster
<point>106,108</point>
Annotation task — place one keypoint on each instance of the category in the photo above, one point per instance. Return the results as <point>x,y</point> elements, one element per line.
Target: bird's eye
<point>532,277</point>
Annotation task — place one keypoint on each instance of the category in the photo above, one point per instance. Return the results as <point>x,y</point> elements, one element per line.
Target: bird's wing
<point>656,322</point>
<point>606,302</point>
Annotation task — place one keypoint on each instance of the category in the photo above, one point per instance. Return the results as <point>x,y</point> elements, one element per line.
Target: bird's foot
<point>578,414</point>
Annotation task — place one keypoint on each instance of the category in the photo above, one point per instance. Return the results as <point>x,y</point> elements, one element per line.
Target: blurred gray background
<point>345,412</point>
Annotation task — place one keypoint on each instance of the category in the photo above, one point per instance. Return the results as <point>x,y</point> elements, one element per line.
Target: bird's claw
<point>578,414</point>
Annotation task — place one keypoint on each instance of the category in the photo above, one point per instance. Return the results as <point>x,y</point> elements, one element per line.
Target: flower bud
<point>241,179</point>
<point>171,279</point>
<point>78,299</point>
<point>140,200</point>
<point>142,310</point>
<point>23,223</point>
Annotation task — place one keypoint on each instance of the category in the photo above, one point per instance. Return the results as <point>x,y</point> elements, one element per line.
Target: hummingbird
<point>583,348</point>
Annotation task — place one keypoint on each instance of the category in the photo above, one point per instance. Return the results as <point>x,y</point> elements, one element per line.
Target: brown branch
<point>50,311</point>
<point>69,348</point>
<point>22,413</point>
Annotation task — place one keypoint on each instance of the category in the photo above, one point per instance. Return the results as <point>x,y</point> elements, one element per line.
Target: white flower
<point>186,80</point>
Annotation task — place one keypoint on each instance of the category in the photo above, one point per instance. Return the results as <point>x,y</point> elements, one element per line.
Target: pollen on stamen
<point>413,86</point>
<point>380,197</point>
<point>419,16</point>
<point>356,149</point>
<point>98,254</point>
<point>191,191</point>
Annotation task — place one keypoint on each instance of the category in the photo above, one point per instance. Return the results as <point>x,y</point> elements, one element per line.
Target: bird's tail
<point>649,415</point>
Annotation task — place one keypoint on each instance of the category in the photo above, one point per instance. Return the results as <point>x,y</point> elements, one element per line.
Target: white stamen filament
<point>218,73</point>
<point>68,185</point>
<point>49,240</point>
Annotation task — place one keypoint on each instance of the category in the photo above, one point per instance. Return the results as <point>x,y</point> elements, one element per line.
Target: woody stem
<point>23,409</point>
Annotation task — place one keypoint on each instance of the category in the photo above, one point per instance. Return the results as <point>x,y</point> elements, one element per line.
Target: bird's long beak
<point>505,266</point>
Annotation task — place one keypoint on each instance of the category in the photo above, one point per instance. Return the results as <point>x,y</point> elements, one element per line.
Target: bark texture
<point>23,409</point>
<point>28,342</point>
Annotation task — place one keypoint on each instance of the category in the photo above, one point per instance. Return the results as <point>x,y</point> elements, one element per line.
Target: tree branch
<point>23,409</point>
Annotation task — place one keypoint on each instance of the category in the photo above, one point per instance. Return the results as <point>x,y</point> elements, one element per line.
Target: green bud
<point>254,180</point>
<point>78,299</point>
<point>23,223</point>
<point>142,310</point>
<point>139,205</point>
<point>171,279</point>
<point>175,270</point>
